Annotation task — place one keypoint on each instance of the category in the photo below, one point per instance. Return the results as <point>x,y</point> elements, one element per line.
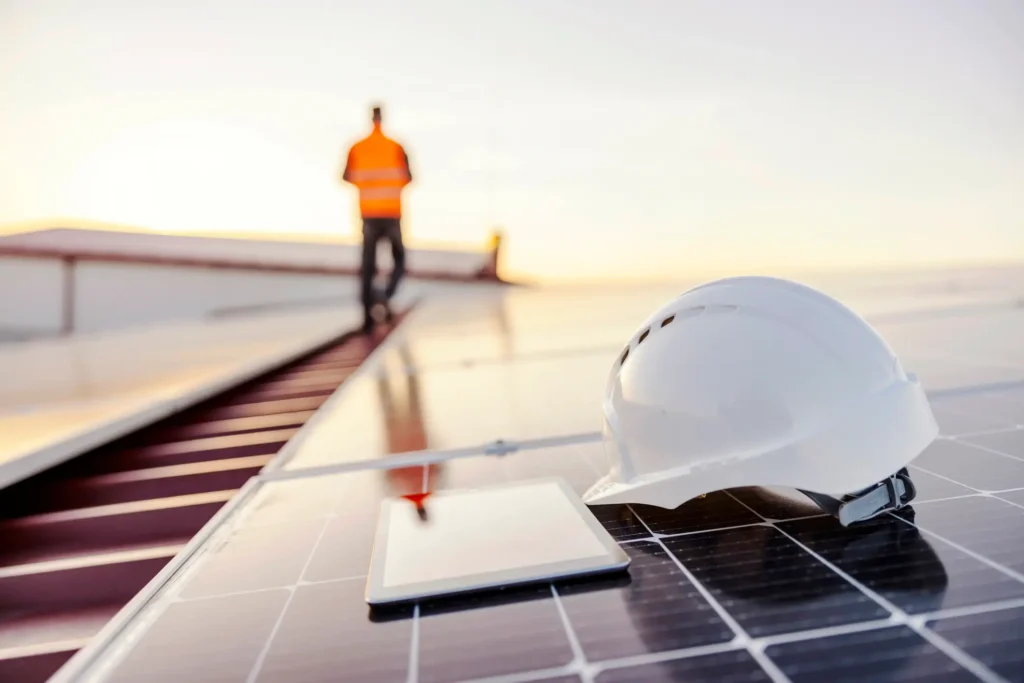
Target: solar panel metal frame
<point>378,594</point>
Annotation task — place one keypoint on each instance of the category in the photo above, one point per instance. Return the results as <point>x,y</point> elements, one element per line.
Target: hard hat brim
<point>884,433</point>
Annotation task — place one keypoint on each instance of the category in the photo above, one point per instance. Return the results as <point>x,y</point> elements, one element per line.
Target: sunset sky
<point>647,139</point>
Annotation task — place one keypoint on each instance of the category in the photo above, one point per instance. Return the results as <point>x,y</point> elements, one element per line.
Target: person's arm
<point>408,168</point>
<point>347,173</point>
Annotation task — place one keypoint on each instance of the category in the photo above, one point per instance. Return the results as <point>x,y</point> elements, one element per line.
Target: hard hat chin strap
<point>892,493</point>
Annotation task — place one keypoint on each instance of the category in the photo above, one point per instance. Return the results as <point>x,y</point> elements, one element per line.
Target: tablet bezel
<point>377,593</point>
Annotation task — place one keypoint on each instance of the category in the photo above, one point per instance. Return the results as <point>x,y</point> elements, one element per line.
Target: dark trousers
<point>374,230</point>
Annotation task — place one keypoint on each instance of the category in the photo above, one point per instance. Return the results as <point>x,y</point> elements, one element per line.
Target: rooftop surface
<point>482,385</point>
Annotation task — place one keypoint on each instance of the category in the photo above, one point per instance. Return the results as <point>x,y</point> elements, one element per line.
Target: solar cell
<point>1009,442</point>
<point>232,631</point>
<point>955,422</point>
<point>991,637</point>
<point>931,486</point>
<point>995,407</point>
<point>729,667</point>
<point>657,610</point>
<point>715,511</point>
<point>775,502</point>
<point>890,654</point>
<point>913,572</point>
<point>992,528</point>
<point>972,466</point>
<point>242,564</point>
<point>657,622</point>
<point>770,584</point>
<point>749,584</point>
<point>522,324</point>
<point>1015,497</point>
<point>319,640</point>
<point>505,633</point>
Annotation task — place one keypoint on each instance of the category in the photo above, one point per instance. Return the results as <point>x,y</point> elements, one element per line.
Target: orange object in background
<point>379,167</point>
<point>415,483</point>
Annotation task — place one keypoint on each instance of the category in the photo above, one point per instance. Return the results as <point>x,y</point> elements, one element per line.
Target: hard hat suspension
<point>893,493</point>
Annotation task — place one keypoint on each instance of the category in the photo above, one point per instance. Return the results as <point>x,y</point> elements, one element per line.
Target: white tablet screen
<point>495,529</point>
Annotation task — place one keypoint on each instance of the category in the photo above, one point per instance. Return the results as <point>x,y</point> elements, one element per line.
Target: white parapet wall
<point>31,296</point>
<point>67,281</point>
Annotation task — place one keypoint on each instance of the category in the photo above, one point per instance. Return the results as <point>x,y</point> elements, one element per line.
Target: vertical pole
<point>68,312</point>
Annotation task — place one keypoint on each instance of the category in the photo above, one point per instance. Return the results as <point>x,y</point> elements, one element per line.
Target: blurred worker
<point>379,167</point>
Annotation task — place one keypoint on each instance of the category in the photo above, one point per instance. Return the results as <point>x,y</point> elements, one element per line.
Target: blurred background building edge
<point>64,280</point>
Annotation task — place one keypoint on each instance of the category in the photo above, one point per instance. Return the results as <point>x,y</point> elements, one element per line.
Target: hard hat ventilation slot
<point>643,335</point>
<point>625,355</point>
<point>667,320</point>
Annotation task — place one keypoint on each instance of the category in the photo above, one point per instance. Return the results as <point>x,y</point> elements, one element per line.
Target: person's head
<point>377,114</point>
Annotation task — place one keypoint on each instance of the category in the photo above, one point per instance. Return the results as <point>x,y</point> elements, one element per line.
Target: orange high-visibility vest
<point>379,167</point>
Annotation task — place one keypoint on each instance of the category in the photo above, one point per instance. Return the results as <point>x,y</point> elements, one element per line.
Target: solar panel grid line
<point>666,656</point>
<point>1011,502</point>
<point>579,663</point>
<point>535,676</point>
<point>258,664</point>
<point>261,657</point>
<point>125,620</point>
<point>988,450</point>
<point>967,551</point>
<point>930,500</point>
<point>824,632</point>
<point>986,432</point>
<point>742,637</point>
<point>586,461</point>
<point>915,466</point>
<point>987,473</point>
<point>696,651</point>
<point>188,563</point>
<point>257,591</point>
<point>657,535</point>
<point>901,617</point>
<point>968,610</point>
<point>413,675</point>
<point>993,637</point>
<point>1015,496</point>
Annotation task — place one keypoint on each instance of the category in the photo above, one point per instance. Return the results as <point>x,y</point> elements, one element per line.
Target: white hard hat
<point>756,381</point>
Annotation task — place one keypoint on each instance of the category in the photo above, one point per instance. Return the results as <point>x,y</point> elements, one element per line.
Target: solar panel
<point>751,584</point>
<point>393,411</point>
<point>292,562</point>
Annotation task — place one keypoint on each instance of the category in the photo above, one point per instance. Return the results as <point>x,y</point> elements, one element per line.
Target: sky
<point>655,139</point>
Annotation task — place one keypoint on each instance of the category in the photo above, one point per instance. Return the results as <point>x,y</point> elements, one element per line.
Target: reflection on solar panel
<point>80,540</point>
<point>748,584</point>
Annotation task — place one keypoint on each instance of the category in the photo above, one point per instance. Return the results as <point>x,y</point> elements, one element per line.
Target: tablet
<point>475,539</point>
